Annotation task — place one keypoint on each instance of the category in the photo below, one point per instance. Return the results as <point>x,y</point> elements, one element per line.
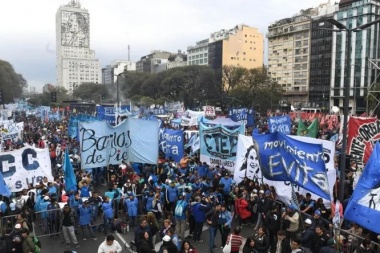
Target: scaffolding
<point>374,64</point>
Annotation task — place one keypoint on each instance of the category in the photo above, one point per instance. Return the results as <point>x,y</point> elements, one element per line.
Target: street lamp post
<point>346,93</point>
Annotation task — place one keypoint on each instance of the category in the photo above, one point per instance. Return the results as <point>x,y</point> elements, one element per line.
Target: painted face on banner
<point>252,164</point>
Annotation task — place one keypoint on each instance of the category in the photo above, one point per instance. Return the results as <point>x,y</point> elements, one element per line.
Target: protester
<point>145,245</point>
<point>110,245</point>
<point>68,223</point>
<point>27,241</point>
<point>186,247</point>
<point>235,239</point>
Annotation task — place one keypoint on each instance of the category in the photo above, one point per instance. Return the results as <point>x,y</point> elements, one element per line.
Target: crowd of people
<point>168,202</point>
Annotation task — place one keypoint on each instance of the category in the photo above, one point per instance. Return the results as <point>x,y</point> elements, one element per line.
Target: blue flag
<point>171,143</point>
<point>364,206</point>
<point>286,159</point>
<point>4,189</point>
<point>280,123</point>
<point>70,180</point>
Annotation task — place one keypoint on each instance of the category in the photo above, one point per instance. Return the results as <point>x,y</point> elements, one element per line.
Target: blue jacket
<point>107,209</point>
<point>202,170</point>
<point>43,207</point>
<point>85,214</point>
<point>132,206</point>
<point>149,203</point>
<point>227,184</point>
<point>172,193</point>
<point>199,212</point>
<point>85,192</point>
<point>225,217</point>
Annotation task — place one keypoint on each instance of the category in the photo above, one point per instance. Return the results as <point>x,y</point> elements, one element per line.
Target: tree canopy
<point>11,83</point>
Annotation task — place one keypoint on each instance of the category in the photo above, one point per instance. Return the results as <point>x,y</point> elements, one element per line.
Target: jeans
<point>180,228</point>
<point>106,222</point>
<point>198,231</point>
<point>69,232</point>
<point>89,229</point>
<point>259,221</point>
<point>211,243</point>
<point>224,232</point>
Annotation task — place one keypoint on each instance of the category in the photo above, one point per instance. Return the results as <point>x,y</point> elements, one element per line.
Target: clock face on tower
<point>75,29</point>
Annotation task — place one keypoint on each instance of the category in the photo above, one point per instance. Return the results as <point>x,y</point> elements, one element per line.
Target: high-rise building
<point>110,72</point>
<point>241,46</point>
<point>288,55</point>
<point>154,62</point>
<point>320,57</point>
<point>76,62</point>
<point>364,46</point>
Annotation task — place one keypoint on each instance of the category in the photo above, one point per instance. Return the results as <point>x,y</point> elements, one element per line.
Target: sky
<point>27,28</point>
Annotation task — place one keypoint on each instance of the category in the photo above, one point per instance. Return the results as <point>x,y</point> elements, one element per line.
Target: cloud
<point>27,33</point>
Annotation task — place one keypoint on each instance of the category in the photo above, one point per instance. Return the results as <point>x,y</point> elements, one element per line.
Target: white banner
<point>209,110</point>
<point>24,166</point>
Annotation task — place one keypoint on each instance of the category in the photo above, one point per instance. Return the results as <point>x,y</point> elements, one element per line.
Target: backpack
<point>179,209</point>
<point>179,242</point>
<point>37,245</point>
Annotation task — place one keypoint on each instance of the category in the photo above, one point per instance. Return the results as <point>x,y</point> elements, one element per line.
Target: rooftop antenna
<point>129,53</point>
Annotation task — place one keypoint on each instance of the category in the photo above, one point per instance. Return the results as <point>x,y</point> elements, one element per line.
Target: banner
<point>247,162</point>
<point>364,205</point>
<point>243,115</point>
<point>72,130</point>
<point>107,113</point>
<point>25,166</point>
<point>286,159</point>
<point>280,124</point>
<point>12,131</point>
<point>209,111</point>
<point>132,140</point>
<point>171,143</point>
<point>362,135</point>
<point>173,106</point>
<point>218,145</point>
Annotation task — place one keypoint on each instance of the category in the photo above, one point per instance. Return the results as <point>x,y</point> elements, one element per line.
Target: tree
<point>91,92</point>
<point>11,83</point>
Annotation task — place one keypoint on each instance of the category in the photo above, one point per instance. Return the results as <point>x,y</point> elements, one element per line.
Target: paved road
<point>54,245</point>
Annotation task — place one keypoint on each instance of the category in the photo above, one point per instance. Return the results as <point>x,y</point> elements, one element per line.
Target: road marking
<point>123,241</point>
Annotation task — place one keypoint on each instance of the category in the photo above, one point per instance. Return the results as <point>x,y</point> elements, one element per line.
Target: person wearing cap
<point>45,215</point>
<point>319,221</point>
<point>108,213</point>
<point>85,213</point>
<point>84,191</point>
<point>68,218</point>
<point>307,205</point>
<point>168,244</point>
<point>226,181</point>
<point>291,221</point>
<point>224,223</point>
<point>307,236</point>
<point>181,214</point>
<point>171,196</point>
<point>131,206</point>
<point>320,239</point>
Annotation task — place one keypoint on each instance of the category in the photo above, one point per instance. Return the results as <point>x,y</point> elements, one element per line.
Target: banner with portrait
<point>218,145</point>
<point>171,143</point>
<point>283,158</point>
<point>28,165</point>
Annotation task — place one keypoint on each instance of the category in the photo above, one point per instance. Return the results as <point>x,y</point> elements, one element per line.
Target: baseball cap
<point>308,221</point>
<point>18,226</point>
<point>331,242</point>
<point>317,212</point>
<point>166,238</point>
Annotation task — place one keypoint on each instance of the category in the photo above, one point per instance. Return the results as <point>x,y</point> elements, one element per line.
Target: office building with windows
<point>75,61</point>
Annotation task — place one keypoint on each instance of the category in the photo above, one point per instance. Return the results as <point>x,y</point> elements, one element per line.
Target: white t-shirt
<point>114,248</point>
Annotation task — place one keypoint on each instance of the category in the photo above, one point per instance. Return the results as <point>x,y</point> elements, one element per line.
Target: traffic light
<point>1,96</point>
<point>54,97</point>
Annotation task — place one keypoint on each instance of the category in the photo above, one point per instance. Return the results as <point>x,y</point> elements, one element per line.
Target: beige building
<point>241,46</point>
<point>288,55</point>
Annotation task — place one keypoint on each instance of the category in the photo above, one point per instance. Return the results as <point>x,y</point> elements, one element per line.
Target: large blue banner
<point>280,124</point>
<point>72,130</point>
<point>107,113</point>
<point>364,206</point>
<point>244,115</point>
<point>218,145</point>
<point>132,140</point>
<point>286,159</point>
<point>171,143</point>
